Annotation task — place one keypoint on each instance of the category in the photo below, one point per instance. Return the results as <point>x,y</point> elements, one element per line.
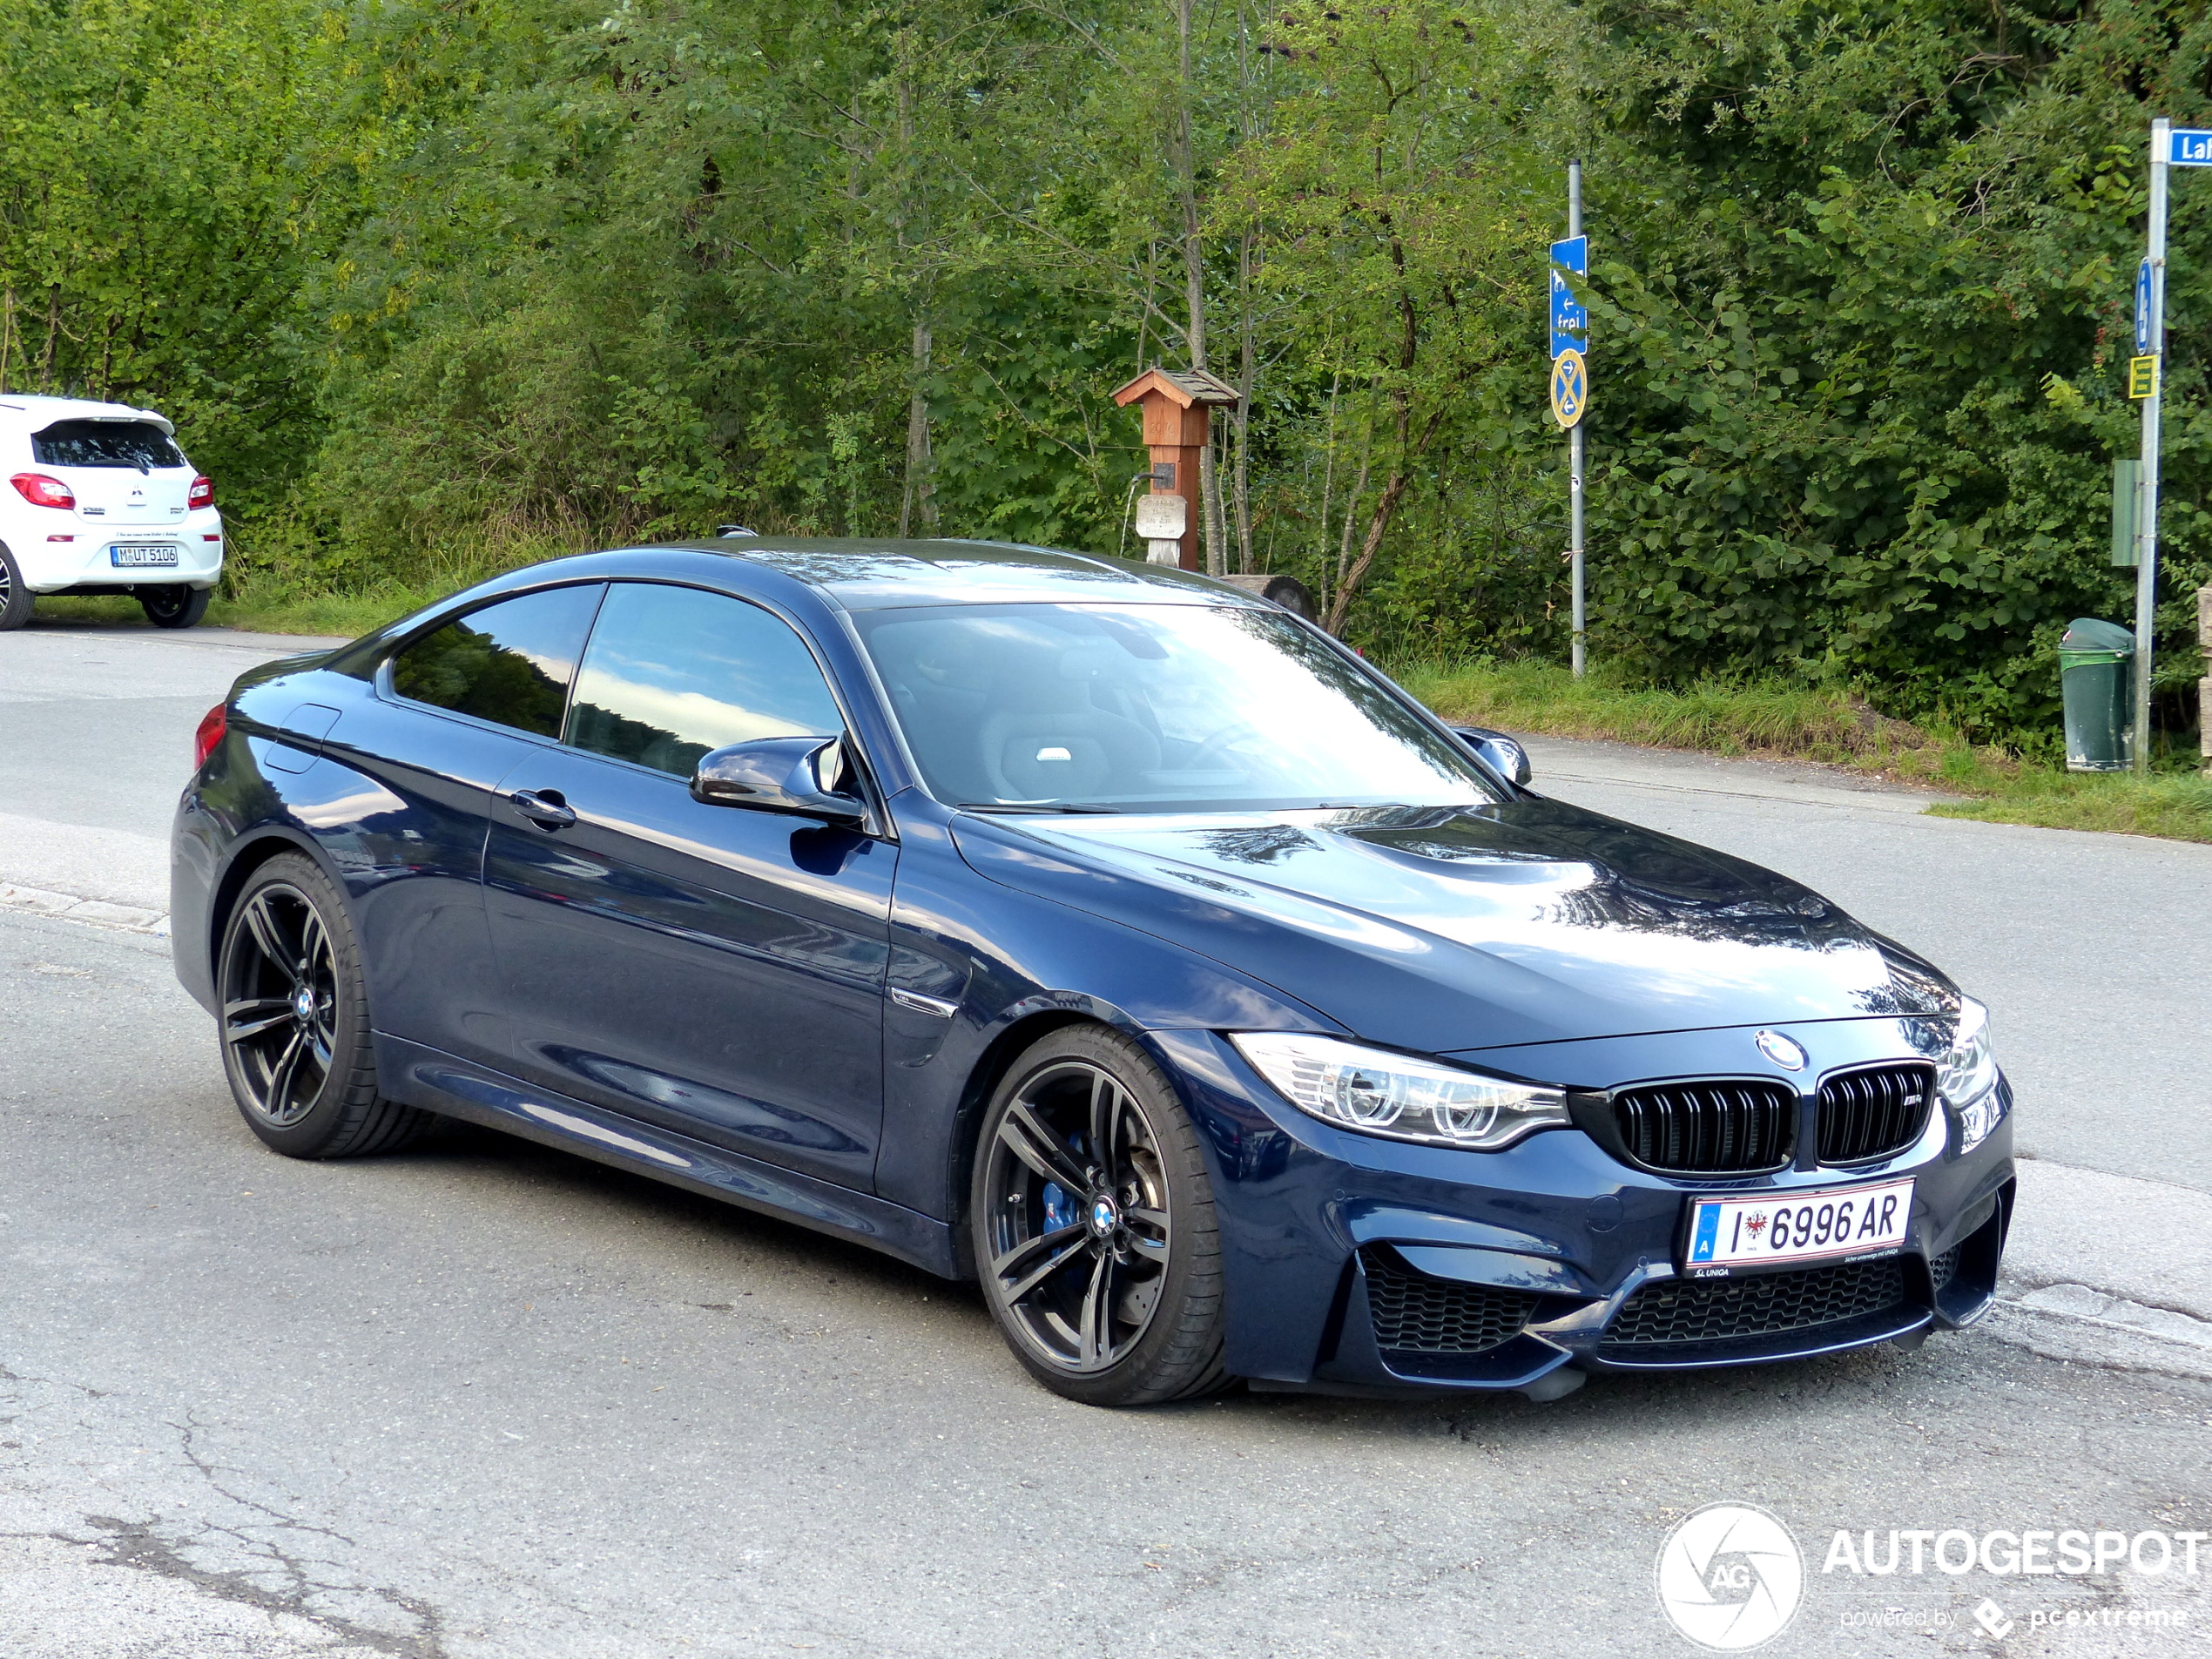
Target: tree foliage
<point>433,284</point>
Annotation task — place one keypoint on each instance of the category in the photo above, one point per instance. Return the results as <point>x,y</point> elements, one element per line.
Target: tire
<point>16,599</point>
<point>1093,1224</point>
<point>174,606</point>
<point>294,1024</point>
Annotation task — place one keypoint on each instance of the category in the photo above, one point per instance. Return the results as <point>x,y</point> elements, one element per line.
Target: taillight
<point>41,491</point>
<point>203,492</point>
<point>210,734</point>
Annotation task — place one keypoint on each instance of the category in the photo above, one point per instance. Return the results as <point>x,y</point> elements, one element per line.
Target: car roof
<point>874,575</point>
<point>37,412</point>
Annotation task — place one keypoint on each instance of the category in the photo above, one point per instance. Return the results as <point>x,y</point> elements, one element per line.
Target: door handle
<point>543,807</point>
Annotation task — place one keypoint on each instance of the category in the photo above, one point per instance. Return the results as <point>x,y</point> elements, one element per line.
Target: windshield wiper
<point>1031,806</point>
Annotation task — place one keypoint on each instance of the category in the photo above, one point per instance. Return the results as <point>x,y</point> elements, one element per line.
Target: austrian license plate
<point>1727,1235</point>
<point>129,558</point>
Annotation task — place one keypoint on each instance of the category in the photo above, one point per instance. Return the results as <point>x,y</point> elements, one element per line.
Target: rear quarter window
<point>136,445</point>
<point>510,662</point>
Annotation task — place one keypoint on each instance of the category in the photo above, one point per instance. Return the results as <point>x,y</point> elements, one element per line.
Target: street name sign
<point>2189,147</point>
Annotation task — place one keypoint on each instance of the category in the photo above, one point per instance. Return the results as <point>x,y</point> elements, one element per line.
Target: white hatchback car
<point>101,500</point>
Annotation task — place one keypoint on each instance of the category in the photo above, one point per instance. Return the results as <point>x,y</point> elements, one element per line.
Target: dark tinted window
<point>138,444</point>
<point>673,673</point>
<point>511,662</point>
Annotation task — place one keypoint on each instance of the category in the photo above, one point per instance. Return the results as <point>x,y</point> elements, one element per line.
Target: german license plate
<point>127,557</point>
<point>1727,1234</point>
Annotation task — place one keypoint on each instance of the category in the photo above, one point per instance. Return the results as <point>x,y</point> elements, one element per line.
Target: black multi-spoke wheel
<point>15,598</point>
<point>173,605</point>
<point>295,1022</point>
<point>1095,1231</point>
<point>280,1005</point>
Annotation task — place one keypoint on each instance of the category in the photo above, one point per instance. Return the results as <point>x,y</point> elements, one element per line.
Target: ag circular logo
<point>1730,1577</point>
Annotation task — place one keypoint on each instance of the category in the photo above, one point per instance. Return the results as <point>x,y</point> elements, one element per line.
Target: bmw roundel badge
<point>1780,1049</point>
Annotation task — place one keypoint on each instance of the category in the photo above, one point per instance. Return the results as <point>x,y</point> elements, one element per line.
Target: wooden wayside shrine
<point>1178,406</point>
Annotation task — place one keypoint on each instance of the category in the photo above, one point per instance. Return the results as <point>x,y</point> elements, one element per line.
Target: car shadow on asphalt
<point>864,1286</point>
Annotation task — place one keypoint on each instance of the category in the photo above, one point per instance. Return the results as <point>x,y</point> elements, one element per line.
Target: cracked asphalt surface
<point>486,1399</point>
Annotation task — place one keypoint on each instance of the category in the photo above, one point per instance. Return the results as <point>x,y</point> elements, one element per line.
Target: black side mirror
<point>806,776</point>
<point>1504,755</point>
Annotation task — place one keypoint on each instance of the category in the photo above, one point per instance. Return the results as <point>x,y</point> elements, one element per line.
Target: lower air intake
<point>1722,1309</point>
<point>1945,1268</point>
<point>1418,1314</point>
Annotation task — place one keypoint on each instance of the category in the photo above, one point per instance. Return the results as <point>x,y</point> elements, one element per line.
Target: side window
<point>511,662</point>
<point>672,672</point>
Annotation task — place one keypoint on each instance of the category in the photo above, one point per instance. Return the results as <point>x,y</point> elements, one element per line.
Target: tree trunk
<point>1350,507</point>
<point>1247,377</point>
<point>53,333</point>
<point>1194,281</point>
<point>1377,526</point>
<point>919,497</point>
<point>1209,498</point>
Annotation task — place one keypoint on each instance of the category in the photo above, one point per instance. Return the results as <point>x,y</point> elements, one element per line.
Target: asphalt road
<point>487,1399</point>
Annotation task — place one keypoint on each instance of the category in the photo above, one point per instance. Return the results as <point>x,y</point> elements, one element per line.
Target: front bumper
<point>1360,1264</point>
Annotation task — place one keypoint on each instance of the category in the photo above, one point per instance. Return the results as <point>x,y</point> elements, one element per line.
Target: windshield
<point>1161,707</point>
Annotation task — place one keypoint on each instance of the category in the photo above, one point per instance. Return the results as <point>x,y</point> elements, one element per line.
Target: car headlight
<point>1966,1077</point>
<point>1393,1095</point>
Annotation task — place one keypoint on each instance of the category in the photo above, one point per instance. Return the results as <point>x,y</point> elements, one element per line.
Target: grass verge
<point>1778,719</point>
<point>260,603</point>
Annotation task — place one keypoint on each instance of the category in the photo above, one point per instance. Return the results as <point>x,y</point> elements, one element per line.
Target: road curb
<point>70,907</point>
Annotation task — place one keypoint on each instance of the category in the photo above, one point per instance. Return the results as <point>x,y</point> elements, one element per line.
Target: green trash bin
<point>2097,680</point>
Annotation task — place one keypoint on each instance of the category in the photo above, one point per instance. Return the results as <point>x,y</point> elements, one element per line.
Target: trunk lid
<point>124,498</point>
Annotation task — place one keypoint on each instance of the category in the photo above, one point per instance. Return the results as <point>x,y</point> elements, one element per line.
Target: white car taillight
<point>41,491</point>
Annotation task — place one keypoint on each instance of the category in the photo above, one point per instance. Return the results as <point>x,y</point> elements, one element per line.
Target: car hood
<point>1459,929</point>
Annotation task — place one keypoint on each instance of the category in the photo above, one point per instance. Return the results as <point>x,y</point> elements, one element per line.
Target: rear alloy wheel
<point>174,606</point>
<point>1094,1225</point>
<point>15,598</point>
<point>295,1021</point>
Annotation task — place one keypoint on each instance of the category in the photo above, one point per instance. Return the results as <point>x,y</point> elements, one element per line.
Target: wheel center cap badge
<point>303,1003</point>
<point>1780,1049</point>
<point>1102,1216</point>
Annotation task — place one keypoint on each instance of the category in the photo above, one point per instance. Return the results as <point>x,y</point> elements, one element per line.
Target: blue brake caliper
<point>1059,1207</point>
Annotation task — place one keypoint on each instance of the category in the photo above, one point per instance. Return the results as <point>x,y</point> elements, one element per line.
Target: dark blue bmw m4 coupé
<point>1096,931</point>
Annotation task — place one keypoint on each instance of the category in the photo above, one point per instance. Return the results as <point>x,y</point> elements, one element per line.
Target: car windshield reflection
<point>1101,707</point>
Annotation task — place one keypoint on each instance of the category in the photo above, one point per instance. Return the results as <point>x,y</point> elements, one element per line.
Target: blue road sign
<point>2189,147</point>
<point>2142,309</point>
<point>1570,319</point>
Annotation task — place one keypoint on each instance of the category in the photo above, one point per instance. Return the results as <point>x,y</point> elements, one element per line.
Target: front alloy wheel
<point>1095,1228</point>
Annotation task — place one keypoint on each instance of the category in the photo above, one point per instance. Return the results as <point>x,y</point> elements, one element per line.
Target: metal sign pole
<point>1575,443</point>
<point>2147,522</point>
